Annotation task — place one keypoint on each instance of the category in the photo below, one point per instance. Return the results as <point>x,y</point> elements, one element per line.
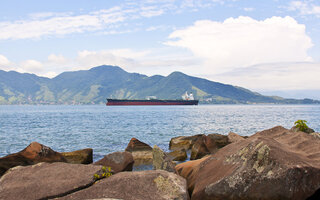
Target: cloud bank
<point>243,41</point>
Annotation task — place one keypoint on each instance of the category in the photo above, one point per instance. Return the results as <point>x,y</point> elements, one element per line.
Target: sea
<point>107,129</point>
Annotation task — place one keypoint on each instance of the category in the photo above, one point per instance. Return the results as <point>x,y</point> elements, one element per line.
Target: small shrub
<point>105,172</point>
<point>301,125</point>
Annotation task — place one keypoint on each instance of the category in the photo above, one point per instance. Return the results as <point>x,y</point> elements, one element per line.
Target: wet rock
<point>161,160</point>
<point>295,129</point>
<point>141,152</point>
<point>183,142</point>
<point>118,161</point>
<point>137,145</point>
<point>45,180</point>
<point>83,156</point>
<point>155,185</point>
<point>272,164</point>
<point>178,155</point>
<point>32,154</point>
<point>233,137</point>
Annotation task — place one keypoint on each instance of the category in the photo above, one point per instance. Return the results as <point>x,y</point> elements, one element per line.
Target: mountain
<point>95,85</point>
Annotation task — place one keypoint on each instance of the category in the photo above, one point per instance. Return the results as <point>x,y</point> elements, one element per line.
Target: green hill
<point>95,85</point>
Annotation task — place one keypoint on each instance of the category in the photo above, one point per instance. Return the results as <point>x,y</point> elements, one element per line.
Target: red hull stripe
<point>146,103</point>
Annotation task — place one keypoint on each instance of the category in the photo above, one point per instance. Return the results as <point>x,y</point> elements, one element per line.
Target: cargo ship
<point>187,99</point>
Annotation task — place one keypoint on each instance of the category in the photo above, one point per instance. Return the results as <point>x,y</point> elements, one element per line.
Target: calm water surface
<point>109,129</point>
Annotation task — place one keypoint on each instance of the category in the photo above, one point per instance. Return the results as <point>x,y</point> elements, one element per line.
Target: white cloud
<point>305,7</point>
<point>275,76</point>
<point>4,62</point>
<point>243,41</point>
<point>31,66</point>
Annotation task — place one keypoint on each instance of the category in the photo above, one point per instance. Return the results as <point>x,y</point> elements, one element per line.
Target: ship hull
<point>121,102</point>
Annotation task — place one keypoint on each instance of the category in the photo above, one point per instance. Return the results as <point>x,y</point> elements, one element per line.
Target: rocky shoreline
<point>277,163</point>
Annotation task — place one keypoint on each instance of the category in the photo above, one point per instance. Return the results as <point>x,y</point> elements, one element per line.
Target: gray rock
<point>154,184</point>
<point>161,160</point>
<point>45,180</point>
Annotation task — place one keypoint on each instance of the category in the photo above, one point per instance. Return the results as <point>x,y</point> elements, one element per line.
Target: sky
<point>271,46</point>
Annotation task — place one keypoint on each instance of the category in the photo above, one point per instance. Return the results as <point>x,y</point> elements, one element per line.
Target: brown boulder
<point>83,156</point>
<point>178,155</point>
<point>137,145</point>
<point>161,160</point>
<point>183,142</point>
<point>219,141</point>
<point>233,137</point>
<point>199,149</point>
<point>189,170</point>
<point>141,152</point>
<point>32,154</point>
<point>155,185</point>
<point>45,180</point>
<point>272,164</point>
<point>118,161</point>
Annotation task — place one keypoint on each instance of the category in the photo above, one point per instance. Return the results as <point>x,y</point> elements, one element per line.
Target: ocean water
<point>109,128</point>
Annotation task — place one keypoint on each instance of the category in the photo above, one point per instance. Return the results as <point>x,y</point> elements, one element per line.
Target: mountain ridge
<point>93,86</point>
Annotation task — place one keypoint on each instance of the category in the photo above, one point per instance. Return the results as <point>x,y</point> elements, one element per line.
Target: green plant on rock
<point>301,125</point>
<point>105,172</point>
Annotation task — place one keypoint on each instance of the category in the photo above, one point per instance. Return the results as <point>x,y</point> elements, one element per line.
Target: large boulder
<point>83,156</point>
<point>272,164</point>
<point>155,185</point>
<point>183,142</point>
<point>219,141</point>
<point>161,160</point>
<point>206,145</point>
<point>118,161</point>
<point>141,152</point>
<point>178,155</point>
<point>45,180</point>
<point>32,154</point>
<point>189,170</point>
<point>200,148</point>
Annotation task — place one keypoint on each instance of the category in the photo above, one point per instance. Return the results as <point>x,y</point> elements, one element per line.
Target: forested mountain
<point>95,85</point>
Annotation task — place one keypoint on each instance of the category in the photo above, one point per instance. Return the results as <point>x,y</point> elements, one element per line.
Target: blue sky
<point>268,46</point>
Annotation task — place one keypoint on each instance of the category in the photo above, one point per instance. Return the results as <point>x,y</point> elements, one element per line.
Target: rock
<point>233,137</point>
<point>83,156</point>
<point>118,161</point>
<point>295,129</point>
<point>141,152</point>
<point>183,142</point>
<point>199,149</point>
<point>206,145</point>
<point>219,141</point>
<point>161,160</point>
<point>189,170</point>
<point>272,164</point>
<point>154,184</point>
<point>178,155</point>
<point>316,135</point>
<point>32,154</point>
<point>45,180</point>
<point>137,145</point>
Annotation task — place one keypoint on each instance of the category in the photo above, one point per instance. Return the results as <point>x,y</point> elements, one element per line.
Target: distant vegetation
<point>95,85</point>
